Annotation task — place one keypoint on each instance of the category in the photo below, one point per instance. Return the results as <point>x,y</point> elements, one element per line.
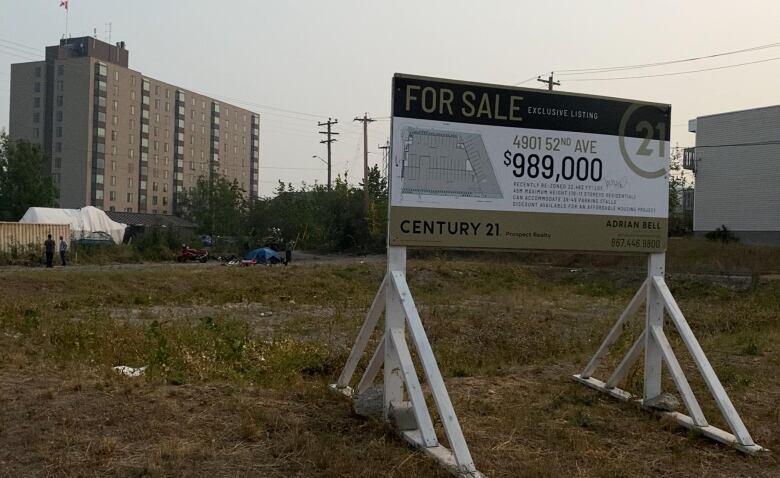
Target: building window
<point>165,188</point>
<point>57,162</point>
<point>114,120</point>
<point>59,116</point>
<point>113,180</point>
<point>165,147</point>
<point>154,200</point>
<point>98,179</point>
<point>130,182</point>
<point>37,102</point>
<point>37,87</point>
<point>36,133</point>
<point>112,197</point>
<point>154,186</point>
<point>167,106</point>
<point>60,85</point>
<point>113,135</point>
<point>36,117</point>
<point>99,194</point>
<point>116,75</point>
<point>59,101</point>
<point>132,95</point>
<point>129,197</point>
<point>102,70</point>
<point>132,80</point>
<point>57,147</point>
<point>115,105</point>
<point>113,149</point>
<point>100,132</point>
<point>59,131</point>
<point>165,200</point>
<point>115,90</point>
<point>38,71</point>
<point>132,110</point>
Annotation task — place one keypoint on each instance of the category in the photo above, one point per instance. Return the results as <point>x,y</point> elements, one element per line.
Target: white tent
<point>82,221</point>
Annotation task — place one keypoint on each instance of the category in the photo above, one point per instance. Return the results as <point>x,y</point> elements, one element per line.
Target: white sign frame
<point>404,403</point>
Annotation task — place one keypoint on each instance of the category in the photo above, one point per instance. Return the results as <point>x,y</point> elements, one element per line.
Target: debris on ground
<point>130,371</point>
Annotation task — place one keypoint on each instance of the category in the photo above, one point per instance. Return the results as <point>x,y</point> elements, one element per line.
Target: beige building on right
<point>736,163</point>
<point>122,141</point>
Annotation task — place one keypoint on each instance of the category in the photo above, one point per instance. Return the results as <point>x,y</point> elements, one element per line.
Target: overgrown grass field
<point>239,360</point>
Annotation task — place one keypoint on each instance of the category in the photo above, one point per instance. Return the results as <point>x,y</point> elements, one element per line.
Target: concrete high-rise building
<point>123,141</point>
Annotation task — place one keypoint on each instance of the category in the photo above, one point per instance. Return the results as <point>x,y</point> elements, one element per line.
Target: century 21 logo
<point>647,148</point>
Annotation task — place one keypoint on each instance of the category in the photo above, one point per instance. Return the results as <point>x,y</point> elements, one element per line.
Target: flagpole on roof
<point>64,3</point>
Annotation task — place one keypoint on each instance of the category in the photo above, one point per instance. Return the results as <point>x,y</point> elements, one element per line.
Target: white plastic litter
<point>130,371</point>
<point>82,221</point>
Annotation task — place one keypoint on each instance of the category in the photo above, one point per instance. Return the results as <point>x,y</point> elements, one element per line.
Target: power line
<point>290,168</point>
<point>756,143</point>
<point>16,55</point>
<point>582,71</point>
<point>21,45</point>
<point>649,65</point>
<point>677,73</point>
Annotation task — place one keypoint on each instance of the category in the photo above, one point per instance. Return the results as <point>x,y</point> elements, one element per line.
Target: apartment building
<point>123,141</point>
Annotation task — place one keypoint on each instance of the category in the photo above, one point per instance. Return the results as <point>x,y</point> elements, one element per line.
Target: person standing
<point>49,246</point>
<point>288,248</point>
<point>63,250</point>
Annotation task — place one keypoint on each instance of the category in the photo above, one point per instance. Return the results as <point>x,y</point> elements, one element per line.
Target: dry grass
<point>231,392</point>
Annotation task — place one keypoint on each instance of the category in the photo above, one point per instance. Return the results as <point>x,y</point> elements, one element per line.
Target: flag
<point>64,3</point>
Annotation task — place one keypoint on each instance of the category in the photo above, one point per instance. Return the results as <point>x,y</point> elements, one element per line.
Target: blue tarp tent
<point>263,255</point>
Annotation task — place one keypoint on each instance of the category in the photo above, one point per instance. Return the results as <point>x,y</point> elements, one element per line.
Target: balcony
<point>689,159</point>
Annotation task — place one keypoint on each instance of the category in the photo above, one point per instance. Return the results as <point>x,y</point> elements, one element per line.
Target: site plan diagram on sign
<point>447,163</point>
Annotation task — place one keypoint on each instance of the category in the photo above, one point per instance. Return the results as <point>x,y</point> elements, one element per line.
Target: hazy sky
<point>336,58</point>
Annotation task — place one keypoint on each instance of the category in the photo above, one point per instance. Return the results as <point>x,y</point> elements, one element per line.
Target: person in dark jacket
<point>63,250</point>
<point>49,245</point>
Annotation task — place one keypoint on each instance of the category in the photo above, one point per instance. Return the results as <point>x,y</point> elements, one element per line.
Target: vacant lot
<point>239,360</point>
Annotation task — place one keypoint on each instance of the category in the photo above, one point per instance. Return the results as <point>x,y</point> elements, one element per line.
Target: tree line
<point>312,216</point>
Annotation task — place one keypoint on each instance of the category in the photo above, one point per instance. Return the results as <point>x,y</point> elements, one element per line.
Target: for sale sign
<point>478,166</point>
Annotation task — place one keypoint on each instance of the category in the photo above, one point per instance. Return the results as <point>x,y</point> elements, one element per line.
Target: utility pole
<point>549,81</point>
<point>365,120</point>
<point>330,140</point>
<point>385,157</point>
